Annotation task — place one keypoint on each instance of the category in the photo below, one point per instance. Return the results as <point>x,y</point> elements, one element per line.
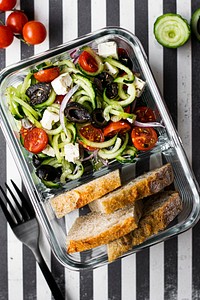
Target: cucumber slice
<point>171,30</point>
<point>195,23</point>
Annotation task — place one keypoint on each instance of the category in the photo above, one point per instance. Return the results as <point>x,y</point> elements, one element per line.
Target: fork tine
<point>21,209</point>
<point>11,207</point>
<point>6,213</point>
<point>26,204</point>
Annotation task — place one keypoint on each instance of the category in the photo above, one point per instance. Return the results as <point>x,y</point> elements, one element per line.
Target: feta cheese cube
<point>61,83</point>
<point>108,49</point>
<point>48,119</point>
<point>72,152</point>
<point>49,151</point>
<point>139,85</point>
<point>110,69</point>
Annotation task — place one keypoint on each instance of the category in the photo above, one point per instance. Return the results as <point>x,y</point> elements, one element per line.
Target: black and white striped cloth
<point>169,270</point>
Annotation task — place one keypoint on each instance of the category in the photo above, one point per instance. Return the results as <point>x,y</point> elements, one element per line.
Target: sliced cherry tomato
<point>92,134</point>
<point>6,36</point>
<point>36,140</point>
<point>47,75</point>
<point>34,32</point>
<point>113,128</point>
<point>16,21</point>
<point>59,99</point>
<point>7,4</point>
<point>144,138</point>
<point>87,62</point>
<point>145,114</point>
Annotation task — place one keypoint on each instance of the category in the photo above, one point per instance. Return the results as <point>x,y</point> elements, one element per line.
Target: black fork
<point>22,220</point>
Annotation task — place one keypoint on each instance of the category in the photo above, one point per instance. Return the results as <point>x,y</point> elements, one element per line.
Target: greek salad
<point>82,112</point>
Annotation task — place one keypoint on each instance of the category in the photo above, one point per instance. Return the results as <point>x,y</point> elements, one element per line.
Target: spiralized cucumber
<point>171,30</point>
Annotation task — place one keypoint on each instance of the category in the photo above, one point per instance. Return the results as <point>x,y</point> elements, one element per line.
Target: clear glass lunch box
<point>168,149</point>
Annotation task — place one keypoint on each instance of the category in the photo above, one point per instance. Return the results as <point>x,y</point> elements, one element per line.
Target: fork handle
<point>48,276</point>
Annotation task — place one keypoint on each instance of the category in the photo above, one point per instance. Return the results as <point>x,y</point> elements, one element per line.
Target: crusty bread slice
<point>145,185</point>
<point>95,229</point>
<point>159,210</point>
<point>84,194</point>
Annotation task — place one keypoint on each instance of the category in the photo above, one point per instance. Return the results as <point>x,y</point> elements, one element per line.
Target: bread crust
<point>159,211</point>
<point>145,185</point>
<point>84,194</point>
<point>126,220</point>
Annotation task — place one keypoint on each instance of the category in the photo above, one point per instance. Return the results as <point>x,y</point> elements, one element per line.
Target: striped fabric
<point>169,270</point>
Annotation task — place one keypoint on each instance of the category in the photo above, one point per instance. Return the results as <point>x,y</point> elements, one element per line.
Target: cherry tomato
<point>34,32</point>
<point>114,128</point>
<point>92,134</point>
<point>47,75</point>
<point>7,4</point>
<point>36,140</point>
<point>87,62</point>
<point>144,138</point>
<point>145,114</point>
<point>6,36</point>
<point>16,21</point>
<point>59,99</point>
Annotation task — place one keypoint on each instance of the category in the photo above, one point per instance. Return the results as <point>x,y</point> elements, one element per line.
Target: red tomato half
<point>6,36</point>
<point>16,21</point>
<point>87,62</point>
<point>34,32</point>
<point>145,114</point>
<point>114,128</point>
<point>7,4</point>
<point>47,75</point>
<point>144,138</point>
<point>36,140</point>
<point>92,134</point>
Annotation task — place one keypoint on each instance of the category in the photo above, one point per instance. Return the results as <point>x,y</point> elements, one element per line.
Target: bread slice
<point>159,210</point>
<point>84,194</point>
<point>145,185</point>
<point>95,229</point>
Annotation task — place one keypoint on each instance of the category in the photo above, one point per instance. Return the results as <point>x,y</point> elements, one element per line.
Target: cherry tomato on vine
<point>35,140</point>
<point>47,75</point>
<point>114,128</point>
<point>7,4</point>
<point>34,32</point>
<point>16,21</point>
<point>87,62</point>
<point>144,138</point>
<point>92,134</point>
<point>144,114</point>
<point>6,36</point>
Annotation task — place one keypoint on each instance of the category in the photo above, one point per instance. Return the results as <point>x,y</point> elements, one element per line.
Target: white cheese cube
<point>49,151</point>
<point>72,152</point>
<point>108,49</point>
<point>139,85</point>
<point>61,83</point>
<point>48,119</point>
<point>110,69</point>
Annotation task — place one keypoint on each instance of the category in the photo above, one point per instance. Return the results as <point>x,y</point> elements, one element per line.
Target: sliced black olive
<point>112,90</point>
<point>98,120</point>
<point>47,172</point>
<point>76,112</point>
<point>38,93</point>
<point>124,58</point>
<point>102,80</point>
<point>36,160</point>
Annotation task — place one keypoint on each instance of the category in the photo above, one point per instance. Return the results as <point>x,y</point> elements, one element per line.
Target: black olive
<point>38,93</point>
<point>47,172</point>
<point>112,90</point>
<point>125,59</point>
<point>36,160</point>
<point>102,80</point>
<point>98,120</point>
<point>76,112</point>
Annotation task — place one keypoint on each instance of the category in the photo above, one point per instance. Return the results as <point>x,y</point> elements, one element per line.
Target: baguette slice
<point>145,185</point>
<point>95,229</point>
<point>84,194</point>
<point>159,211</point>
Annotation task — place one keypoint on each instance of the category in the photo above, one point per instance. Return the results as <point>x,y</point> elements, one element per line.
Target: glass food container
<point>168,149</point>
